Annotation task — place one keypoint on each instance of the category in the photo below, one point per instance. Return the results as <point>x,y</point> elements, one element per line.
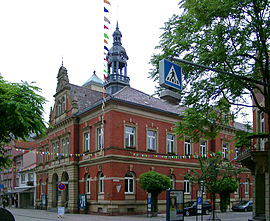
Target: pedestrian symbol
<point>172,77</point>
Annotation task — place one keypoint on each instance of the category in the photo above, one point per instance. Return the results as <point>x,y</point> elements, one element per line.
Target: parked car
<point>190,208</point>
<point>244,206</point>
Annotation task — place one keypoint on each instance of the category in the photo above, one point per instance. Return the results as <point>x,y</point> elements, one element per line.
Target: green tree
<point>21,114</point>
<point>232,36</point>
<point>226,186</point>
<point>212,174</point>
<point>154,183</point>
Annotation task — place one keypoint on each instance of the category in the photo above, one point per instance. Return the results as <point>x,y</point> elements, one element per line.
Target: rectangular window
<point>203,147</point>
<point>247,187</point>
<point>23,178</point>
<point>88,185</point>
<point>17,182</point>
<point>30,177</point>
<point>170,143</point>
<point>19,165</point>
<point>187,188</point>
<point>129,136</point>
<point>99,138</point>
<point>236,153</point>
<point>63,145</point>
<point>262,130</point>
<point>57,148</point>
<point>151,140</point>
<point>225,148</point>
<point>187,147</point>
<point>53,150</point>
<point>47,154</point>
<point>40,158</point>
<point>86,142</point>
<point>67,145</point>
<point>129,185</point>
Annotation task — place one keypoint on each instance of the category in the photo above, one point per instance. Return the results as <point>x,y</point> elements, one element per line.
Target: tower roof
<point>94,79</point>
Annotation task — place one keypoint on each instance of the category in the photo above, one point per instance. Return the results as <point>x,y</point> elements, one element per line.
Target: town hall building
<point>99,151</point>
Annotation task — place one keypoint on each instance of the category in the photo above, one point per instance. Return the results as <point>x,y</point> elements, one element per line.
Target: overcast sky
<point>36,34</point>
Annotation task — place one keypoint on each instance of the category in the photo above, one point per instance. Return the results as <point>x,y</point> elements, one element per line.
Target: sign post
<point>199,203</point>
<point>149,205</point>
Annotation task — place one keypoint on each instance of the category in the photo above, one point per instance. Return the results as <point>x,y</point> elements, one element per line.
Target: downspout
<point>78,144</point>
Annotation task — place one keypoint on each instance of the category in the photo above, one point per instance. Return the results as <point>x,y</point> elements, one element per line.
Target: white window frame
<point>130,137</point>
<point>63,104</point>
<point>88,184</point>
<point>63,145</point>
<point>86,141</point>
<point>67,145</point>
<point>262,130</point>
<point>188,147</point>
<point>187,187</point>
<point>172,180</point>
<point>31,175</point>
<point>203,147</point>
<point>152,140</point>
<point>41,158</point>
<point>130,179</point>
<point>101,183</point>
<point>47,154</point>
<point>59,108</point>
<point>170,143</point>
<point>225,147</point>
<point>100,138</point>
<point>22,178</point>
<point>246,184</point>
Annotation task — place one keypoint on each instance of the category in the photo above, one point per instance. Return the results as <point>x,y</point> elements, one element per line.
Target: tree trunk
<point>154,204</point>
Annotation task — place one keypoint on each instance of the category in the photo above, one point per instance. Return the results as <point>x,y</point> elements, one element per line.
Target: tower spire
<point>117,64</point>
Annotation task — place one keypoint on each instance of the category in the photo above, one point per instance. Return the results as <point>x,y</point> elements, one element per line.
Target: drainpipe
<point>78,144</point>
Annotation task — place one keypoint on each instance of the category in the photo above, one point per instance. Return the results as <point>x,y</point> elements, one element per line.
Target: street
<point>40,215</point>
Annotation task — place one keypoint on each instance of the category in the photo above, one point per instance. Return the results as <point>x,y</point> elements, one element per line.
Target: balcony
<point>250,157</point>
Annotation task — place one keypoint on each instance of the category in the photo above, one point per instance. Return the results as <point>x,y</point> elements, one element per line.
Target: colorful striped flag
<point>106,48</point>
<point>105,10</point>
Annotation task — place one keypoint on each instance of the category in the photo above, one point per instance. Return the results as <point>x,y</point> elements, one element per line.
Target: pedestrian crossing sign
<point>170,75</point>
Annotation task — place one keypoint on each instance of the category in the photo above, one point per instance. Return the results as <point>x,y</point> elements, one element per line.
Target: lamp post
<point>241,189</point>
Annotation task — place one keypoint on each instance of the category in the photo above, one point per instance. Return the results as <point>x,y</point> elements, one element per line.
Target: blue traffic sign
<point>170,75</point>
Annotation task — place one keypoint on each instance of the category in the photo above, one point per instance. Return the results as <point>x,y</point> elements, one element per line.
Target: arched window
<point>172,179</point>
<point>63,105</point>
<point>58,108</point>
<point>129,183</point>
<point>101,183</point>
<point>87,184</point>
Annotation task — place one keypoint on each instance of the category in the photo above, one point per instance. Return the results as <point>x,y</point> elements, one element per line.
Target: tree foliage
<point>21,113</point>
<point>154,183</point>
<point>232,36</point>
<point>217,176</point>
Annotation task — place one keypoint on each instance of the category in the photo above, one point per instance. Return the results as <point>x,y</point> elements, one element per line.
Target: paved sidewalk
<point>42,215</point>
